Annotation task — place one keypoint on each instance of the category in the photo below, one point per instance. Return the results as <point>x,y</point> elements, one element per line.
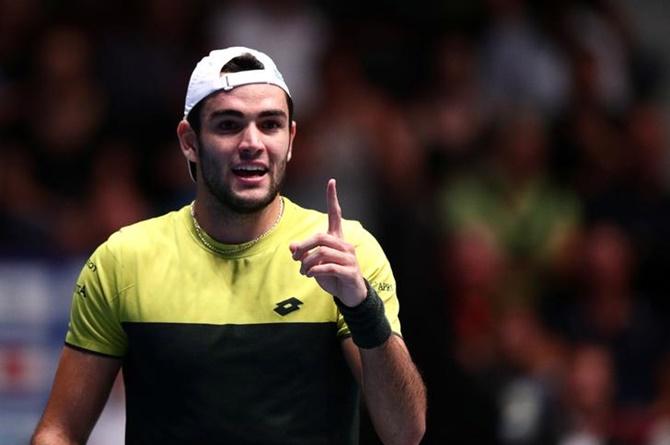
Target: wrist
<point>360,294</point>
<point>367,320</point>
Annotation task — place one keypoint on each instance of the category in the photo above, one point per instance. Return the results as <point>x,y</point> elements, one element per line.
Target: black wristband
<point>367,322</point>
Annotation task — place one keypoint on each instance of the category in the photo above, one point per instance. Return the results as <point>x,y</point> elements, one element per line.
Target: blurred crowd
<point>510,156</point>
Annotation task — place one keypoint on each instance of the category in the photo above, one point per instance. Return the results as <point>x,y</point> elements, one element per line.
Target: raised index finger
<point>334,210</point>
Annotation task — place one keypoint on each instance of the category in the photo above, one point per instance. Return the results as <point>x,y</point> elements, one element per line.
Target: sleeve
<point>95,323</point>
<point>377,270</point>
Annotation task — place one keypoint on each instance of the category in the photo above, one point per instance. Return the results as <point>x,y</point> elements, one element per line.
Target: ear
<point>292,132</point>
<point>188,141</point>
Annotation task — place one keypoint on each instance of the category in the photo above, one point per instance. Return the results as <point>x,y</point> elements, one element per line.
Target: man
<point>241,318</point>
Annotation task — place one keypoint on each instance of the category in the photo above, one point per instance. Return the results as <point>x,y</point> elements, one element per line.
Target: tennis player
<point>241,318</point>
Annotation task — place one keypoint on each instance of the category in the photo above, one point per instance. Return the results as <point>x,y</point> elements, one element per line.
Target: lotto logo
<point>287,306</point>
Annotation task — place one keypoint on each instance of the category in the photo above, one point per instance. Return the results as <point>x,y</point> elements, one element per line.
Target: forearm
<point>394,392</point>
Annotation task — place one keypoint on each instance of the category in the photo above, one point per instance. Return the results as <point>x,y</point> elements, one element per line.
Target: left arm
<point>392,387</point>
<point>393,390</point>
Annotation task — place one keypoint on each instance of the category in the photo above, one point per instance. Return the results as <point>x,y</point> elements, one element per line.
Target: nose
<point>251,142</point>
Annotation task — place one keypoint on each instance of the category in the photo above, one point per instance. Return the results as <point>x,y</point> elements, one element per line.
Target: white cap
<point>207,77</point>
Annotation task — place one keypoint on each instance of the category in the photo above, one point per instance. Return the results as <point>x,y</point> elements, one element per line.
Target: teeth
<point>250,168</point>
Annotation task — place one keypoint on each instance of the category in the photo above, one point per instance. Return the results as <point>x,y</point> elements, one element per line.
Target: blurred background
<point>511,156</point>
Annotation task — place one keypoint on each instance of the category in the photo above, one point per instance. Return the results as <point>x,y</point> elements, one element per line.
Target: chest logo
<point>287,306</point>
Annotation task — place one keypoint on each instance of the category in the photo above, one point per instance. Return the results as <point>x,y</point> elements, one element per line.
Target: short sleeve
<point>94,318</point>
<point>377,270</point>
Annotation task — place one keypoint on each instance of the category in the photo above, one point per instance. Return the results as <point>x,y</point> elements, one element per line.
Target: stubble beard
<point>211,170</point>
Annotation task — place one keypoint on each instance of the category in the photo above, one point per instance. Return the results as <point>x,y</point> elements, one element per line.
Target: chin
<point>249,203</point>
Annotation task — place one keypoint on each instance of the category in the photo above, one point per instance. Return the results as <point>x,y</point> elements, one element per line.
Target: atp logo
<point>287,306</point>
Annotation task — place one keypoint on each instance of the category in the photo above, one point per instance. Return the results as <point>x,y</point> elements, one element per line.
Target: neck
<point>230,227</point>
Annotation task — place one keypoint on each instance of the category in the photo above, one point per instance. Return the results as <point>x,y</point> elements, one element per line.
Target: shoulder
<point>148,235</point>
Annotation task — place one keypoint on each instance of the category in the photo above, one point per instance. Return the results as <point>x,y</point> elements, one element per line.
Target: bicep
<point>81,386</point>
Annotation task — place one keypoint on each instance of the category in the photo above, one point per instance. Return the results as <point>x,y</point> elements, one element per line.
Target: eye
<point>271,124</point>
<point>228,125</point>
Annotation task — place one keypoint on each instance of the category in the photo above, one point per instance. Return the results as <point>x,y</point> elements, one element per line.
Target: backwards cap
<point>207,77</point>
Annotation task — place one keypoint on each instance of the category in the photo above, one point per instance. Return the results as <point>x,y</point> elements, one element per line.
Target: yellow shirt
<point>237,331</point>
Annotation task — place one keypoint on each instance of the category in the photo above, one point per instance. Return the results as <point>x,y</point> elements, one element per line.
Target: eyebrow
<point>239,114</point>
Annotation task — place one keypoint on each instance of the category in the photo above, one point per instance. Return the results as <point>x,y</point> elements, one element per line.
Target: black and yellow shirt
<point>230,345</point>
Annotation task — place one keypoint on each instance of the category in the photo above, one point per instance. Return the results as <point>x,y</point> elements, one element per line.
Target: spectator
<point>516,202</point>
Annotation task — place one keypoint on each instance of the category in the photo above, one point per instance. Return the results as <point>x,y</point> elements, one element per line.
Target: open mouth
<point>249,171</point>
